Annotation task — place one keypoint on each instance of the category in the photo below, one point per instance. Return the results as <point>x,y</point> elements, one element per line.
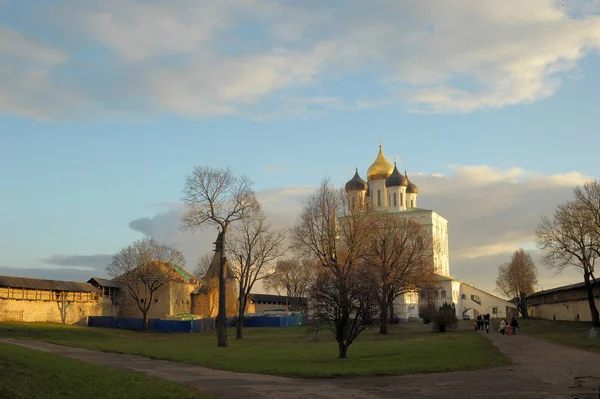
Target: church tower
<point>356,189</point>
<point>396,187</point>
<point>377,173</point>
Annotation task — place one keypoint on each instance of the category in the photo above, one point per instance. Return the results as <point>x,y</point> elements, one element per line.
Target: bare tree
<point>397,256</point>
<point>254,244</point>
<point>340,298</point>
<point>202,266</point>
<point>588,200</point>
<point>517,279</point>
<point>567,240</point>
<point>215,196</point>
<point>292,278</point>
<point>142,268</point>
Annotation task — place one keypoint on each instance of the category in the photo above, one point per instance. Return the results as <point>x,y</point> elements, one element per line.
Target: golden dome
<point>381,168</point>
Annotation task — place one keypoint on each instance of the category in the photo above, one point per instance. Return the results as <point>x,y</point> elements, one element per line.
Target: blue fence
<point>275,321</point>
<point>130,323</point>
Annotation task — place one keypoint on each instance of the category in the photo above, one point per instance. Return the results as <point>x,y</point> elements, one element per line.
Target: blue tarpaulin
<point>131,323</point>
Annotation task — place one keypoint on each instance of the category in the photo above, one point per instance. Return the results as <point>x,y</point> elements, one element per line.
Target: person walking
<point>486,320</point>
<point>502,326</point>
<point>514,324</point>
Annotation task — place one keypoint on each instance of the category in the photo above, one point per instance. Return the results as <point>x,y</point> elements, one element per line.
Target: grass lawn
<point>30,374</point>
<point>568,333</point>
<point>285,351</point>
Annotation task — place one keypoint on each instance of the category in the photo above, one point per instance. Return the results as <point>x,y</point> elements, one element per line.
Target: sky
<point>105,107</point>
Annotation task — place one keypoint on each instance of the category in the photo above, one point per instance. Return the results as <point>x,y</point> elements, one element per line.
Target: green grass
<point>30,374</point>
<point>285,351</point>
<point>567,333</point>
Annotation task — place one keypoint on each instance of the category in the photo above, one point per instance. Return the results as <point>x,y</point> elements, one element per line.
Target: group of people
<point>483,323</point>
<point>508,329</point>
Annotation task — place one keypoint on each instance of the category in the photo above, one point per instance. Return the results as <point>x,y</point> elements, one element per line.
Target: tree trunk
<point>221,322</point>
<point>383,317</point>
<point>523,304</point>
<point>342,350</point>
<point>590,295</point>
<point>145,315</point>
<point>239,323</point>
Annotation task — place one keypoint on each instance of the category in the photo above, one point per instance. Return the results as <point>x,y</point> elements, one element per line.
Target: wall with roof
<point>563,310</point>
<point>53,311</point>
<point>180,295</point>
<point>474,301</point>
<point>160,308</point>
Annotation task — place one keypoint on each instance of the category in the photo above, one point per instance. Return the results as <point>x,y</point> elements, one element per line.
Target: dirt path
<point>540,370</point>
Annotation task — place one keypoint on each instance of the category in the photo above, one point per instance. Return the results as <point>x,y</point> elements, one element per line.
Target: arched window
<point>395,199</point>
<point>379,198</point>
<point>412,203</point>
<point>443,293</point>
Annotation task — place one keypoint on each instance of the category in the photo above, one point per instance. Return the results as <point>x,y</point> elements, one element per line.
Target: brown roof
<point>103,282</point>
<point>46,285</point>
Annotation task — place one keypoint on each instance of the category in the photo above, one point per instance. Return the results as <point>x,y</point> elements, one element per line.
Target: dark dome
<point>396,179</point>
<point>411,188</point>
<point>356,184</point>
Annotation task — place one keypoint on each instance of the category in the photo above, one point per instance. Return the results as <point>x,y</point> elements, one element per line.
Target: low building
<point>171,298</point>
<point>569,302</point>
<point>36,300</point>
<point>468,300</point>
<point>260,303</point>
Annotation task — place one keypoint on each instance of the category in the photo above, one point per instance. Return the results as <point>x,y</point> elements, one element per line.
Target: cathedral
<point>388,190</point>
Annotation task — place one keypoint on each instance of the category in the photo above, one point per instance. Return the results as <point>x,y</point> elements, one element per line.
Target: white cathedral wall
<point>378,186</point>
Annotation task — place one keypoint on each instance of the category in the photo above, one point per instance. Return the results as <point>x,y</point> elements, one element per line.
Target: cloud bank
<point>262,58</point>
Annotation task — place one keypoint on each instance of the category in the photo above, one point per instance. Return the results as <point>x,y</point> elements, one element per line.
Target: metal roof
<point>559,289</point>
<point>46,285</point>
<point>104,282</point>
<point>275,298</point>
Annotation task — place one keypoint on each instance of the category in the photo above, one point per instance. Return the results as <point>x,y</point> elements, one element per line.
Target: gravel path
<point>539,370</point>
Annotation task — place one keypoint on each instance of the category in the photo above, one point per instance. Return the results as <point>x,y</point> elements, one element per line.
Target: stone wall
<point>52,311</point>
<point>563,311</point>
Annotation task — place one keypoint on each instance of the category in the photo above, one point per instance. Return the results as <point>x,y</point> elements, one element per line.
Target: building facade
<point>36,300</point>
<point>569,302</point>
<point>387,191</point>
<point>68,302</point>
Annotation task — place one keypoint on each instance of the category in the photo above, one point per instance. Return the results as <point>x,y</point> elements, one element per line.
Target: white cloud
<point>221,58</point>
<point>26,87</point>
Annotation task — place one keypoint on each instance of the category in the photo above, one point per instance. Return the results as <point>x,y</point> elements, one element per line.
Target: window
<point>401,198</point>
<point>142,300</point>
<point>395,200</point>
<point>412,203</point>
<point>476,299</point>
<point>443,293</point>
<point>182,301</point>
<point>463,296</point>
<point>389,200</point>
<point>379,198</point>
<point>435,294</point>
<point>494,310</point>
<point>155,300</point>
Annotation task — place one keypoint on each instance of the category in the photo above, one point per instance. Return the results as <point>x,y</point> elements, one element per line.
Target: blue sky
<point>105,107</point>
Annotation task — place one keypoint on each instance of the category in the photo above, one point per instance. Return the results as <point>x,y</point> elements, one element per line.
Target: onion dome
<point>411,188</point>
<point>396,179</point>
<point>356,183</point>
<point>381,168</point>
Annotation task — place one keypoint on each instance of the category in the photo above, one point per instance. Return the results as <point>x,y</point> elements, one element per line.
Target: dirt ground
<point>539,370</point>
